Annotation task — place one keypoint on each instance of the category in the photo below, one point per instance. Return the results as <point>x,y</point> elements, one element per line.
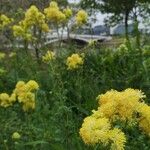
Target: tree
<point>120,10</point>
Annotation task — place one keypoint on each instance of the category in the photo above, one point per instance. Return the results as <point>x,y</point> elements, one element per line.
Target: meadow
<point>65,97</point>
<point>73,97</point>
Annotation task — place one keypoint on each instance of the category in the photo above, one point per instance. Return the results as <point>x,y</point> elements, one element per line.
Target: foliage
<point>121,11</point>
<point>65,97</point>
<point>43,103</point>
<point>117,111</point>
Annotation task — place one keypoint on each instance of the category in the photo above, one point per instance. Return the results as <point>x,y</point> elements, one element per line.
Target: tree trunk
<point>26,46</point>
<point>37,53</point>
<point>68,32</point>
<point>137,32</point>
<point>36,44</point>
<point>126,26</point>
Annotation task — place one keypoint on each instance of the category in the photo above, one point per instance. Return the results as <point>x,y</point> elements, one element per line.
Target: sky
<point>74,1</point>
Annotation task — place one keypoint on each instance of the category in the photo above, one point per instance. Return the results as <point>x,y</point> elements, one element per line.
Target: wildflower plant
<point>81,17</point>
<point>127,107</point>
<point>122,49</point>
<point>24,93</point>
<point>68,13</point>
<point>74,61</point>
<point>54,14</point>
<point>48,57</point>
<point>31,28</point>
<point>16,136</point>
<point>22,31</point>
<point>61,18</point>
<point>4,21</point>
<point>33,17</point>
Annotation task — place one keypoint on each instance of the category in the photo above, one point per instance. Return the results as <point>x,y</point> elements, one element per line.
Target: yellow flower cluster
<point>94,130</point>
<point>49,56</point>
<point>23,93</point>
<point>122,104</point>
<point>54,14</point>
<point>5,100</point>
<point>116,106</point>
<point>68,13</point>
<point>21,31</point>
<point>144,120</point>
<point>81,17</point>
<point>97,129</point>
<point>33,17</point>
<point>74,61</point>
<point>118,139</point>
<point>16,136</point>
<point>4,21</point>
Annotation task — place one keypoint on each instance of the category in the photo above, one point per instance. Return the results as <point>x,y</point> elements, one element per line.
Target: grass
<point>66,97</point>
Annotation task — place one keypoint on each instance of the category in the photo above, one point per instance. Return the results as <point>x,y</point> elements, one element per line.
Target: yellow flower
<point>126,107</point>
<point>28,101</point>
<point>32,85</point>
<point>53,13</point>
<point>48,56</point>
<point>4,100</point>
<point>12,98</point>
<point>118,139</point>
<point>16,136</point>
<point>45,27</point>
<point>53,4</point>
<point>74,61</point>
<point>124,104</point>
<point>67,12</point>
<point>28,106</point>
<point>94,130</point>
<point>4,21</point>
<point>22,31</point>
<point>33,17</point>
<point>24,93</point>
<point>20,84</point>
<point>81,17</point>
<point>144,120</point>
<point>19,88</point>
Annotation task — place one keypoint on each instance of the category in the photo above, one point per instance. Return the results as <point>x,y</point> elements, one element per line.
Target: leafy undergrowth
<point>69,81</point>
